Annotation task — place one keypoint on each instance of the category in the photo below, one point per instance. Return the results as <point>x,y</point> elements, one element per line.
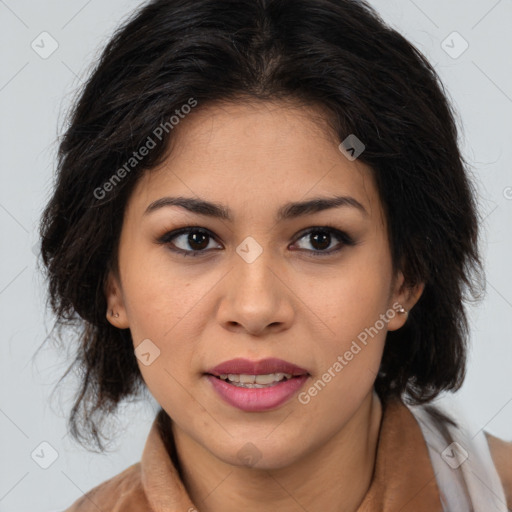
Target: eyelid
<point>344,238</point>
<point>170,235</point>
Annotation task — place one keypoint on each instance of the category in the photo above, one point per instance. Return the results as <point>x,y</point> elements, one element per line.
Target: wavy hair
<point>336,54</point>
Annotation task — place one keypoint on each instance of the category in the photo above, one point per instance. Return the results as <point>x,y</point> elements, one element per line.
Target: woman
<point>262,215</point>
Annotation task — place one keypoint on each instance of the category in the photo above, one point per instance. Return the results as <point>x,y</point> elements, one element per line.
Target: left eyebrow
<point>288,211</point>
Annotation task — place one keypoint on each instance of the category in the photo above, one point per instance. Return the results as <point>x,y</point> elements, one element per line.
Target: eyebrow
<point>288,211</point>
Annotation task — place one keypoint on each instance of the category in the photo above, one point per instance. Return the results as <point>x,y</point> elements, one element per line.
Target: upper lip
<point>241,366</point>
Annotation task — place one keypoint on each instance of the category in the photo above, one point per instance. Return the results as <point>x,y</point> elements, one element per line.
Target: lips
<point>288,380</point>
<point>263,367</point>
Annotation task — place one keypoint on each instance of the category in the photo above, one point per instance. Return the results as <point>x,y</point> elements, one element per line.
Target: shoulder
<point>446,424</point>
<point>501,453</point>
<point>121,493</point>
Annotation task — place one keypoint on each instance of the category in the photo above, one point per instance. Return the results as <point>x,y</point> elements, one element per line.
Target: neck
<point>333,478</point>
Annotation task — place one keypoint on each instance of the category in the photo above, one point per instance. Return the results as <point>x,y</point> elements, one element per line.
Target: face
<point>312,287</point>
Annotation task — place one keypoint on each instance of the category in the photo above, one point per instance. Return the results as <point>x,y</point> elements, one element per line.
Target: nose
<point>255,297</point>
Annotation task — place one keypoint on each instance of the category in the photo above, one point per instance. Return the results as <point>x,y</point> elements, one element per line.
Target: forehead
<point>256,155</point>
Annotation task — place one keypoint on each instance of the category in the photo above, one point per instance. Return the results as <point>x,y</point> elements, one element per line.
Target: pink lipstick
<point>256,386</point>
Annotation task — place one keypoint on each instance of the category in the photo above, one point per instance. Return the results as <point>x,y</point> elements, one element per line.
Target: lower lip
<point>257,399</point>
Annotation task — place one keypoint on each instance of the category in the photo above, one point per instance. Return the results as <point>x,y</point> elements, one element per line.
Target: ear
<point>116,311</point>
<point>403,297</point>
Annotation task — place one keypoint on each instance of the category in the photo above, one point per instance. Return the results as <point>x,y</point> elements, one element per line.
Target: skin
<point>200,311</point>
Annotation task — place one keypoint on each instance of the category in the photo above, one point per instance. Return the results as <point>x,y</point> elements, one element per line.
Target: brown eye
<point>193,241</point>
<point>197,239</point>
<point>321,238</point>
<point>187,241</point>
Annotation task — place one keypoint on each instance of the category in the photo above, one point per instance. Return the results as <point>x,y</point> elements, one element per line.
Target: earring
<point>116,315</point>
<point>402,310</point>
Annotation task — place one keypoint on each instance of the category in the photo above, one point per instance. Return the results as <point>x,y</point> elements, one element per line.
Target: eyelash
<point>345,239</point>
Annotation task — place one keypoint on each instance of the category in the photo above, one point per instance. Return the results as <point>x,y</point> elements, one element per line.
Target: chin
<point>259,454</point>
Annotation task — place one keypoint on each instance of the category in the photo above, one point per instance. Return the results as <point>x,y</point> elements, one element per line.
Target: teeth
<point>255,381</point>
<point>267,379</point>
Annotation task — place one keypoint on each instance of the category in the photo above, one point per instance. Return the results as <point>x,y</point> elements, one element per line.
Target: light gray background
<point>34,96</point>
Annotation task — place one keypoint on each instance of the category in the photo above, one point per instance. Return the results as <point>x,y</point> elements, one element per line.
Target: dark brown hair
<point>337,54</point>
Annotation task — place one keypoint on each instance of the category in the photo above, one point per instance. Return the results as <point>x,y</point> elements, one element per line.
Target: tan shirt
<point>403,478</point>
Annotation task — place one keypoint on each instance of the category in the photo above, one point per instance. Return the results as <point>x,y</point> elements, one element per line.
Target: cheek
<point>354,295</point>
<point>160,308</point>
<point>350,349</point>
<point>157,295</point>
<point>352,305</point>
